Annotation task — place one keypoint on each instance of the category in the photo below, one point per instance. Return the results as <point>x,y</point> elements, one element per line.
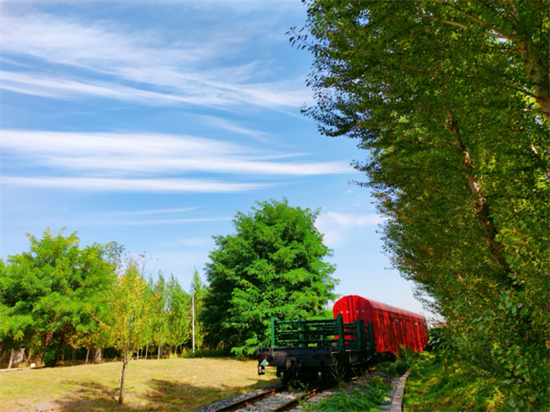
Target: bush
<point>404,361</point>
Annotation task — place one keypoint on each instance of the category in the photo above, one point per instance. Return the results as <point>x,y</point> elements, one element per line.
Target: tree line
<point>59,295</point>
<point>451,101</point>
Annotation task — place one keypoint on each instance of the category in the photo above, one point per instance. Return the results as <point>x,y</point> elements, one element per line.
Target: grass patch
<point>206,353</point>
<point>366,397</point>
<point>405,361</point>
<point>152,385</point>
<point>439,384</point>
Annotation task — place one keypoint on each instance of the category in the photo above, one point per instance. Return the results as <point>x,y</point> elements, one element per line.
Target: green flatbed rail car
<point>304,349</point>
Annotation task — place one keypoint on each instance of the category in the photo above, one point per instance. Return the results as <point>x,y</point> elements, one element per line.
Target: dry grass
<point>151,385</point>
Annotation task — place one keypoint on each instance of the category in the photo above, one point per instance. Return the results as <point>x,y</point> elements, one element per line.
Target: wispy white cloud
<point>157,72</point>
<point>337,226</point>
<point>144,218</point>
<point>146,212</point>
<point>194,241</point>
<point>348,219</point>
<point>145,154</point>
<point>233,127</point>
<point>146,222</point>
<point>66,89</point>
<point>132,185</point>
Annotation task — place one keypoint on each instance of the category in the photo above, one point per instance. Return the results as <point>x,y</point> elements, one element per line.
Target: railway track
<point>250,401</point>
<point>275,400</point>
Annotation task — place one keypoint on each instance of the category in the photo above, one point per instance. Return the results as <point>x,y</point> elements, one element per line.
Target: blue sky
<point>152,123</point>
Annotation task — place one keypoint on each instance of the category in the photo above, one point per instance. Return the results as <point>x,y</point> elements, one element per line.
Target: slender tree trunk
<point>11,359</point>
<point>146,351</point>
<point>124,363</point>
<point>481,205</point>
<point>158,352</point>
<point>87,354</point>
<point>74,355</point>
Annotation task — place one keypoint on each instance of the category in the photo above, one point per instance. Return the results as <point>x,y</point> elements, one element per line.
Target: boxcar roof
<point>388,308</point>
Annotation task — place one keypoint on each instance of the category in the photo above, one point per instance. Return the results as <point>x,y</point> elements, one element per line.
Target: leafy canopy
<point>450,99</point>
<point>51,292</point>
<point>272,266</point>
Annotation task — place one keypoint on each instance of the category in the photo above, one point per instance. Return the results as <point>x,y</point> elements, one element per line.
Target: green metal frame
<point>322,332</point>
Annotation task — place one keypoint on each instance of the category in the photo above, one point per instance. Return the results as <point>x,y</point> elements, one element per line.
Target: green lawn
<point>151,385</point>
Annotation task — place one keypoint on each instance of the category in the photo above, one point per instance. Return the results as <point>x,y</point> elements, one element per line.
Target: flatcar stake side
<point>362,333</point>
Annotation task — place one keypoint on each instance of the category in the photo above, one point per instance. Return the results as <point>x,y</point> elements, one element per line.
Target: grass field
<point>151,385</point>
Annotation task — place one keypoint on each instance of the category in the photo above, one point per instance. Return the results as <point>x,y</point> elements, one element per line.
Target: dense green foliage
<point>273,266</point>
<point>451,101</point>
<point>439,383</point>
<point>51,293</point>
<point>59,295</point>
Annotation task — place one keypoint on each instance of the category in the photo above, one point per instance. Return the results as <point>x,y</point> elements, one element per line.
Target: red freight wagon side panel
<point>391,325</point>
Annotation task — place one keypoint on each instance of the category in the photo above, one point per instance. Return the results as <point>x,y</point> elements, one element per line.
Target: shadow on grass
<point>162,395</point>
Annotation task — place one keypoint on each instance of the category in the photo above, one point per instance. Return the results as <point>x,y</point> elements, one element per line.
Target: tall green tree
<point>198,291</point>
<point>274,265</point>
<point>158,322</point>
<point>451,101</point>
<point>54,290</point>
<point>179,314</point>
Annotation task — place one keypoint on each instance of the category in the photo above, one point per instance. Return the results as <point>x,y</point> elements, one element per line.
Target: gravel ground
<point>274,401</point>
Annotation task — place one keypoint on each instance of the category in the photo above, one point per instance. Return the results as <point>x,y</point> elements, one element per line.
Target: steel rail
<point>249,401</point>
<point>296,401</point>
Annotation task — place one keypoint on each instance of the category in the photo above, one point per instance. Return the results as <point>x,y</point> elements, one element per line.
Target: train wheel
<point>339,370</point>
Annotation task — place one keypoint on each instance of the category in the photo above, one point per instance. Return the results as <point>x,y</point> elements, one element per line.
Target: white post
<point>193,314</point>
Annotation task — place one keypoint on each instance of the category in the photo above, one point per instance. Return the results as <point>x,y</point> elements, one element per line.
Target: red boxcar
<point>391,326</point>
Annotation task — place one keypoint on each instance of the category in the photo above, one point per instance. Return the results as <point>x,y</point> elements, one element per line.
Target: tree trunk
<point>535,70</point>
<point>481,205</point>
<point>124,363</point>
<point>97,356</point>
<point>146,351</point>
<point>74,355</point>
<point>87,354</point>
<point>158,352</point>
<point>11,359</point>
